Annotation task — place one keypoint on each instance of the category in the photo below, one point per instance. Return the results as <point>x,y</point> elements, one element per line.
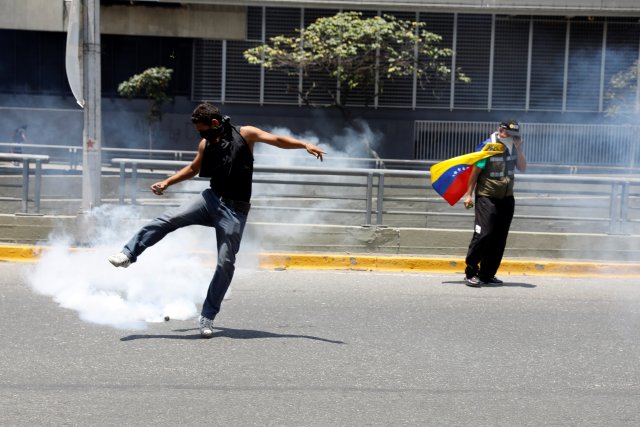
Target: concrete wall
<point>43,15</point>
<point>549,7</point>
<point>196,21</point>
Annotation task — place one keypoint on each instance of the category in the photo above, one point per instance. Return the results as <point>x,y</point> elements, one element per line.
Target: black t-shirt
<point>229,164</point>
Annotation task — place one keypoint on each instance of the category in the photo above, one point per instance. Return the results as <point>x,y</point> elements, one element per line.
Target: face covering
<point>214,134</point>
<point>211,134</point>
<point>508,142</point>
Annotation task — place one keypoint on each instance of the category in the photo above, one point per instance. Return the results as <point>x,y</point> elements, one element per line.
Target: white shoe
<point>205,327</point>
<point>120,260</point>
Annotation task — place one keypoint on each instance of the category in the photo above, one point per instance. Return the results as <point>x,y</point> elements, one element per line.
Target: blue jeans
<point>207,209</point>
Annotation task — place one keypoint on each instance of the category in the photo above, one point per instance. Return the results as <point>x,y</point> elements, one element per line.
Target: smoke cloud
<point>167,280</point>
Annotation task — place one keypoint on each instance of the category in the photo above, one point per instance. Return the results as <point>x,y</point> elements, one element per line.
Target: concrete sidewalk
<point>390,263</point>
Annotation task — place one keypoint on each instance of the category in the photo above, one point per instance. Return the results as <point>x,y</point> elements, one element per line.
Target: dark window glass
<point>397,92</point>
<point>622,50</point>
<point>473,50</point>
<point>125,56</point>
<point>207,73</point>
<point>585,61</point>
<point>510,63</point>
<point>280,88</point>
<point>8,60</point>
<point>435,92</point>
<point>547,64</point>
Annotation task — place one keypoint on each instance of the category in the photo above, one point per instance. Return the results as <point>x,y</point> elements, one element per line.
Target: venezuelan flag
<point>450,177</point>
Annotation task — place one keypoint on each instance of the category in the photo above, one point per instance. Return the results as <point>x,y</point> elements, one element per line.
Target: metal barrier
<point>546,198</point>
<point>611,146</point>
<point>72,156</point>
<point>26,159</point>
<point>551,148</point>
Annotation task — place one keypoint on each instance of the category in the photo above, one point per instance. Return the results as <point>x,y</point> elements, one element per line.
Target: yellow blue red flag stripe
<point>450,177</point>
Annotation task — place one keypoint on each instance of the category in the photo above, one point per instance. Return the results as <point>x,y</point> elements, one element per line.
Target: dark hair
<point>206,112</point>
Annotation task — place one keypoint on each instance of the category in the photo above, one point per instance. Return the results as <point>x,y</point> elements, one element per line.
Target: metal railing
<point>26,160</point>
<point>576,145</point>
<point>612,202</point>
<point>71,156</point>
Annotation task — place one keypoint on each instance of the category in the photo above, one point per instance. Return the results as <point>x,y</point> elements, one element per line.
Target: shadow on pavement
<point>241,334</point>
<point>503,285</point>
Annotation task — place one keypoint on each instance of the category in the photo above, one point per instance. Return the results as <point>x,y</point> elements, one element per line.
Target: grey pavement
<point>320,348</point>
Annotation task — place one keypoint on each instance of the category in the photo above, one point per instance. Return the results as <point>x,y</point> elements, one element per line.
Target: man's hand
<point>468,202</point>
<point>158,188</point>
<point>314,151</point>
<point>517,141</point>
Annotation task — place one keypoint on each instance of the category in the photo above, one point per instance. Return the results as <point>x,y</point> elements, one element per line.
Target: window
<point>473,55</point>
<point>547,64</point>
<point>510,63</point>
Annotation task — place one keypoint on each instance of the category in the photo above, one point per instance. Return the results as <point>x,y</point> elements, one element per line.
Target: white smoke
<point>167,280</point>
<point>341,148</point>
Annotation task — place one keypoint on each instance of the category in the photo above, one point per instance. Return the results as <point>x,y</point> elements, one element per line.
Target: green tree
<point>346,52</point>
<point>622,94</point>
<point>152,84</point>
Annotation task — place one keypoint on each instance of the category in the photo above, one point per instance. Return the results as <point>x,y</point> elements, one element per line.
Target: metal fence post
<point>369,198</point>
<point>25,185</point>
<point>613,210</point>
<point>134,182</point>
<point>37,186</point>
<point>380,198</point>
<point>624,206</point>
<point>121,185</point>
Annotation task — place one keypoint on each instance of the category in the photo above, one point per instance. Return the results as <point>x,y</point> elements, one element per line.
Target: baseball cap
<point>511,126</point>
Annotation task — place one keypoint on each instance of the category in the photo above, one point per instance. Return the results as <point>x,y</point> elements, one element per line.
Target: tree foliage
<point>356,52</point>
<point>622,94</point>
<point>151,83</point>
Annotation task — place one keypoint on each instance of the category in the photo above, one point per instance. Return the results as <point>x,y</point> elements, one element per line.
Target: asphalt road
<point>310,348</point>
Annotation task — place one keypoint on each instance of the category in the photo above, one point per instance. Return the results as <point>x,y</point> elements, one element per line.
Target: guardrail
<point>26,160</point>
<point>546,197</point>
<point>71,157</point>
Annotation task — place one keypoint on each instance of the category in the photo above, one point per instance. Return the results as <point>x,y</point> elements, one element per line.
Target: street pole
<point>92,133</point>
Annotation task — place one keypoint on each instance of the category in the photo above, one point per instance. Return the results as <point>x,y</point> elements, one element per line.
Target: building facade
<point>536,61</point>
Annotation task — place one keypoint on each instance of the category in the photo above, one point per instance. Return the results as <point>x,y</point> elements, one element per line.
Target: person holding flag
<point>490,171</point>
<point>493,179</point>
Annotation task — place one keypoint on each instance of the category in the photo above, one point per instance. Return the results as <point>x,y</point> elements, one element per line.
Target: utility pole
<point>92,133</point>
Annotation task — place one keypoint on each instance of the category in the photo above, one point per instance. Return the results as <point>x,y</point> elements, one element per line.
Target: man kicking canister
<point>225,154</point>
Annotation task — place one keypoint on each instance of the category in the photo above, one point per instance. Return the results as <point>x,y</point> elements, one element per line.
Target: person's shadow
<point>239,334</point>
<point>491,285</point>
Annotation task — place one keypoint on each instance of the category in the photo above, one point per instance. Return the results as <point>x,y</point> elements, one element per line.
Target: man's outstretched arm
<point>253,134</point>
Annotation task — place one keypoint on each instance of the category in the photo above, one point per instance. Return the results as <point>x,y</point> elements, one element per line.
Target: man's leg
<point>485,217</point>
<point>491,262</point>
<point>193,212</point>
<point>229,228</point>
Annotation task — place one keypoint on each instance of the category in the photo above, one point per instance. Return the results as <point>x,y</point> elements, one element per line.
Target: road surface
<point>323,348</point>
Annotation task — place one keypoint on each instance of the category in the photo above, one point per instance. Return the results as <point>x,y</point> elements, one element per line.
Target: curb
<point>389,263</point>
<point>444,265</point>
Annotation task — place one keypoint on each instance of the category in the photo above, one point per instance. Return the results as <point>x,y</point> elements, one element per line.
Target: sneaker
<point>205,327</point>
<point>493,281</point>
<point>474,281</point>
<point>120,260</point>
